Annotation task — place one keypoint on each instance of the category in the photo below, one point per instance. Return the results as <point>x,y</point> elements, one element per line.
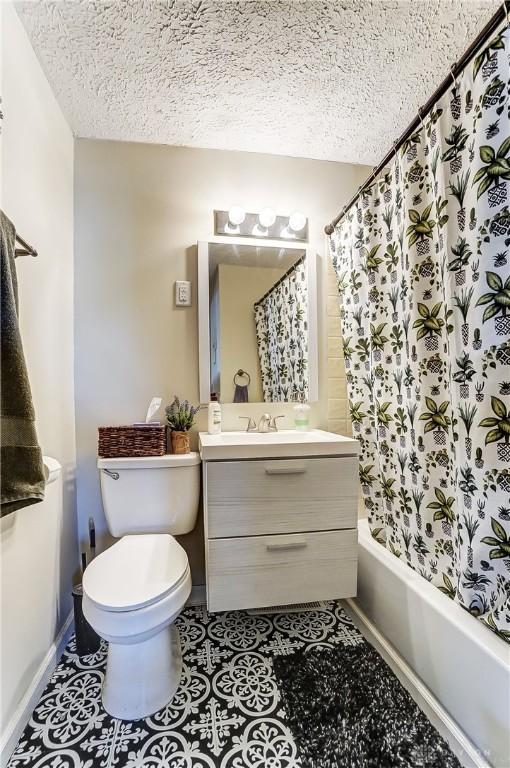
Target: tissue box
<point>115,442</point>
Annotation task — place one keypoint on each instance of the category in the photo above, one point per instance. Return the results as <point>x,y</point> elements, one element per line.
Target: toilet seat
<point>135,572</point>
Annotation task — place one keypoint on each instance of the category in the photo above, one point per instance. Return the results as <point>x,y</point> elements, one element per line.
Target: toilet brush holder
<point>87,641</point>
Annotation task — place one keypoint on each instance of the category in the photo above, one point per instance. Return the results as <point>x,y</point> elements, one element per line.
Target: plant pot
<point>431,343</point>
<point>460,277</point>
<point>455,105</point>
<point>502,325</point>
<point>423,247</point>
<point>497,195</point>
<point>490,66</point>
<point>180,442</point>
<point>461,219</point>
<point>439,437</point>
<point>503,451</point>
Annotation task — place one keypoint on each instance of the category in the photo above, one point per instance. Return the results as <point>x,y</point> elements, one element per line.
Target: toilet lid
<point>135,572</point>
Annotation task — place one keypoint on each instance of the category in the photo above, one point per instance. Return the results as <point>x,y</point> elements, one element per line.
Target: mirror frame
<point>204,355</point>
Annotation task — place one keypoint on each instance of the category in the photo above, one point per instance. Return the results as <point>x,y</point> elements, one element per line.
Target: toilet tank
<point>154,494</point>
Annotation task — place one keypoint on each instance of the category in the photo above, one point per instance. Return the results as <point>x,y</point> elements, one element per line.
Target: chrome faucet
<point>250,426</point>
<point>266,423</point>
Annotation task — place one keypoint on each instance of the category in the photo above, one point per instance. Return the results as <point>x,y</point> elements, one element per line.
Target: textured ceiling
<point>335,80</point>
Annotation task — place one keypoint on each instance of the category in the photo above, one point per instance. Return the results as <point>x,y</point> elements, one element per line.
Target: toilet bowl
<point>131,595</point>
<point>133,592</point>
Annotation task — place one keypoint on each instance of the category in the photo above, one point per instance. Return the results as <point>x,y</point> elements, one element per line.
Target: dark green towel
<point>22,470</point>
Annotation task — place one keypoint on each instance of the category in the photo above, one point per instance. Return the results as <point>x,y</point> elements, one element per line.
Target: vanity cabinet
<point>280,530</point>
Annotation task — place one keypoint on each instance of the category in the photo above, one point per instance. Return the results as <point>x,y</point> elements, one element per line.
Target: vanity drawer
<point>260,571</point>
<point>249,498</point>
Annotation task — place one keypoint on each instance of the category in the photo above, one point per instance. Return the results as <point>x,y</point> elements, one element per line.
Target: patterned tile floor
<point>226,712</point>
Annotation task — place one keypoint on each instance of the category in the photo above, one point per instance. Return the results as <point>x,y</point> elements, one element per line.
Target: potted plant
<point>180,417</point>
<point>498,302</point>
<point>429,325</point>
<point>493,174</point>
<point>420,229</point>
<point>437,420</point>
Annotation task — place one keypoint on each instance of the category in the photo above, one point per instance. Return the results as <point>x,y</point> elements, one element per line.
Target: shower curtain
<point>281,322</point>
<point>422,261</point>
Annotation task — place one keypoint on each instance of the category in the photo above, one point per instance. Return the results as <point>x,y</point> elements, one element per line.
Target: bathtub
<point>462,663</point>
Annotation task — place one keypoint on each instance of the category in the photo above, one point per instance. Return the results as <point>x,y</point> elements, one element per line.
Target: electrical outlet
<point>183,293</point>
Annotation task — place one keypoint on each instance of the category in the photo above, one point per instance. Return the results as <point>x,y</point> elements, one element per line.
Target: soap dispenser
<point>214,415</point>
<point>301,415</point>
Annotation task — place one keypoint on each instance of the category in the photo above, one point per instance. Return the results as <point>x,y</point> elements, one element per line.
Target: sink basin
<point>285,443</point>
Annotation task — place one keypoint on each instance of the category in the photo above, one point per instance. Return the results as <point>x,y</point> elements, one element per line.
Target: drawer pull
<point>286,469</point>
<point>288,545</point>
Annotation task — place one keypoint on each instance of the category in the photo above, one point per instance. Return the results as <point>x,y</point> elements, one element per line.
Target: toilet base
<point>142,677</point>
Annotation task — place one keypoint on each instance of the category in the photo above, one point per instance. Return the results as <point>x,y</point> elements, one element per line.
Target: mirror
<point>257,316</point>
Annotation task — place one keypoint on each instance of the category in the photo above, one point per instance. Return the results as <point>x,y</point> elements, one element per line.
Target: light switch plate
<point>183,293</point>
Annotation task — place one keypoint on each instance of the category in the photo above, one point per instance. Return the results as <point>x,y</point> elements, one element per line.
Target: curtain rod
<point>456,70</point>
<point>280,279</point>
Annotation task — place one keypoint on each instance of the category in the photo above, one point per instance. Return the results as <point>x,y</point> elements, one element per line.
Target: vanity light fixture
<point>266,224</point>
<point>297,221</point>
<point>236,215</point>
<point>267,218</point>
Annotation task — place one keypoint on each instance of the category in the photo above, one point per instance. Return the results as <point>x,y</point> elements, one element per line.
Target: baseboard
<point>467,753</point>
<point>23,712</point>
<point>198,596</point>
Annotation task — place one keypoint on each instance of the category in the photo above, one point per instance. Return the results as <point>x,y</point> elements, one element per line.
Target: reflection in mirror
<point>258,323</point>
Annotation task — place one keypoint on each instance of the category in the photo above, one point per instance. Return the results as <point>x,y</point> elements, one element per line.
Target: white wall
<point>139,211</point>
<point>39,551</point>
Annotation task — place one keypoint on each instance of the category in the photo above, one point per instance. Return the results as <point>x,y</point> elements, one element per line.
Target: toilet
<point>134,591</point>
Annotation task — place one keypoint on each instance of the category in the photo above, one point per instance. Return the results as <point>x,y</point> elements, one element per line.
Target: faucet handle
<point>274,425</point>
<point>251,426</point>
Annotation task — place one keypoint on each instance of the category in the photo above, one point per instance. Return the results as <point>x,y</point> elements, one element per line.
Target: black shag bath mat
<point>346,709</point>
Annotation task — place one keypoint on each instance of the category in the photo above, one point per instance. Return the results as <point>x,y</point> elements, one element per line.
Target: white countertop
<point>285,443</point>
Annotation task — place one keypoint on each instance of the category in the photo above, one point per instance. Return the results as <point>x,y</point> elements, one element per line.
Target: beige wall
<point>139,211</point>
<point>240,288</point>
<point>39,551</point>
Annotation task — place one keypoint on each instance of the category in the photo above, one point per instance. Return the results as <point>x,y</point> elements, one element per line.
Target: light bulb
<point>297,221</point>
<point>267,218</point>
<point>236,215</point>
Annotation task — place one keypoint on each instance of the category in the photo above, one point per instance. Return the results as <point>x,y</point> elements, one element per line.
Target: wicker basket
<point>131,441</point>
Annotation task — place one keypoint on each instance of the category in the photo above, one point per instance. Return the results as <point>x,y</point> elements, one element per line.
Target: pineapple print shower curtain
<point>281,321</point>
<point>422,261</point>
